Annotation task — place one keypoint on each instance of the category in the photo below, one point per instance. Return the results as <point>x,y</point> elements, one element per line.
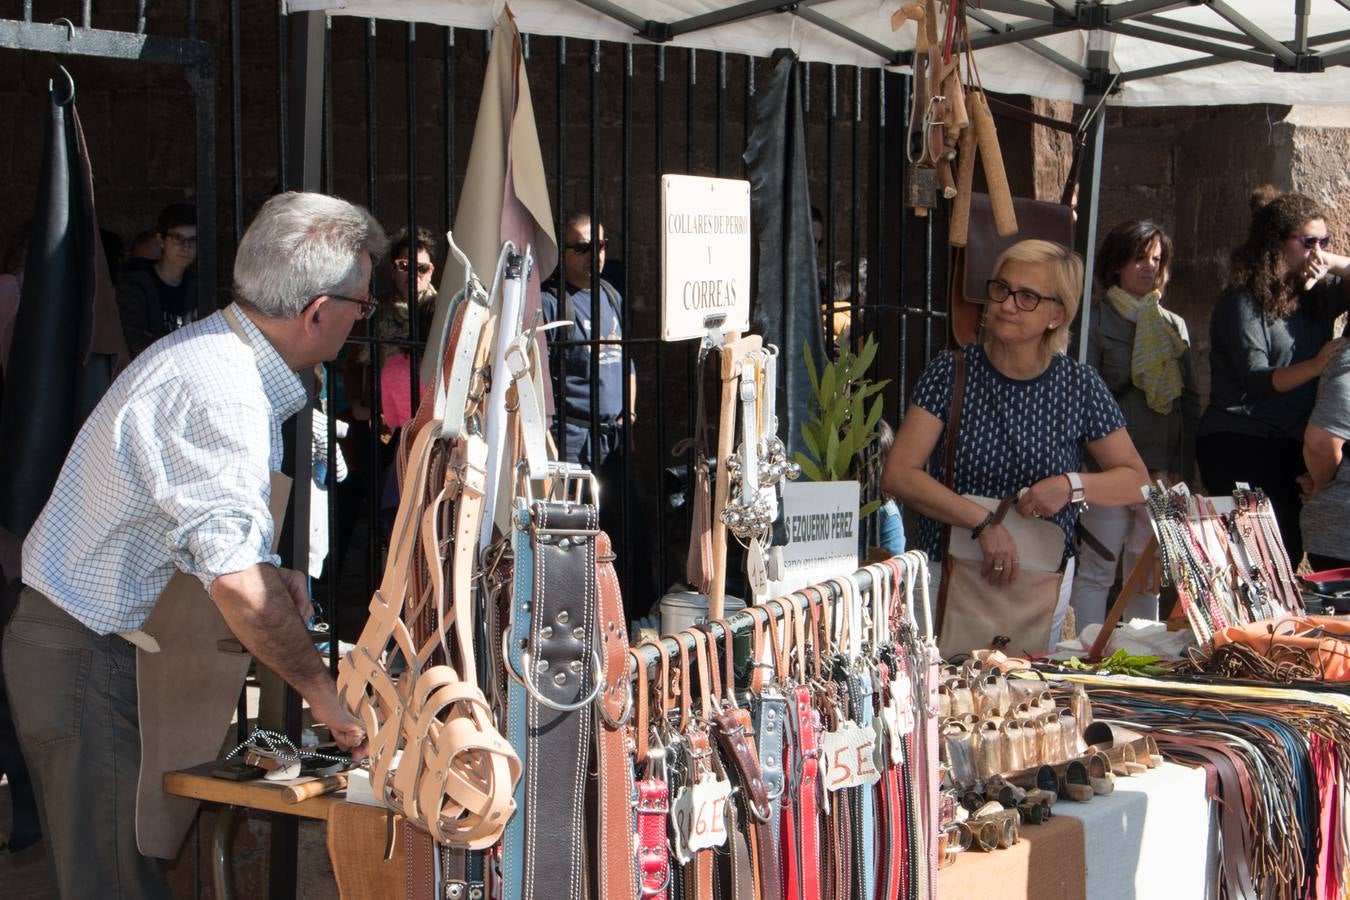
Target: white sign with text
<point>705,256</point>
<point>821,521</point>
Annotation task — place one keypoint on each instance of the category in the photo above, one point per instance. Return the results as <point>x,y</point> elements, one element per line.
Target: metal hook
<point>70,27</point>
<point>70,85</point>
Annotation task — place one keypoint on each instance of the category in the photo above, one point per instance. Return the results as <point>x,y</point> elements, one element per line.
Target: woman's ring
<point>998,567</point>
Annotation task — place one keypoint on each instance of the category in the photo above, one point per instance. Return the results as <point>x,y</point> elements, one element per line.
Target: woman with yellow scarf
<point>1143,354</point>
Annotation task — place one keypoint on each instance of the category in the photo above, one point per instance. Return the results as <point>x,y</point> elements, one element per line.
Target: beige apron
<point>190,669</point>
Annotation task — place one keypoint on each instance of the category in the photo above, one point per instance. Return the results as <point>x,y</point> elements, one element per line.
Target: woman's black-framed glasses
<point>1027,301</point>
<point>402,266</point>
<point>367,305</point>
<point>1312,241</point>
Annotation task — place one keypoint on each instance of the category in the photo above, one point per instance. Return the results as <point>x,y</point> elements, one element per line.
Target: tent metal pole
<point>1089,207</point>
<point>1302,9</point>
<point>1204,31</point>
<point>1021,8</point>
<point>1245,25</point>
<point>891,56</point>
<point>1156,71</point>
<point>1176,40</point>
<point>735,13</point>
<point>1036,47</point>
<point>1017,33</point>
<point>655,31</point>
<point>1134,8</point>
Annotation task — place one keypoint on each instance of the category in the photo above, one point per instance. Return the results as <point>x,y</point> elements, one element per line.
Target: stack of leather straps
<point>1276,761</point>
<point>790,751</point>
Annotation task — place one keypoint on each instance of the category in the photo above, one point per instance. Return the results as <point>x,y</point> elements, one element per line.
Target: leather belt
<point>806,814</point>
<point>618,877</point>
<point>558,679</point>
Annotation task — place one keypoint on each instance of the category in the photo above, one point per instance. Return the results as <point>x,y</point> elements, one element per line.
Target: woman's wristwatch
<point>1076,495</point>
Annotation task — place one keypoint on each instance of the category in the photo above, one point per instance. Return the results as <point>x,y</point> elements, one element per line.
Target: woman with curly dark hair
<point>1271,336</point>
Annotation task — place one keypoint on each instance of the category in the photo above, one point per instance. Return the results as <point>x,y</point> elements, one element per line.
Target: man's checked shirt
<point>170,471</point>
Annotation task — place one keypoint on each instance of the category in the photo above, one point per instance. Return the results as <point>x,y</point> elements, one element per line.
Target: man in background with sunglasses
<point>568,298</point>
<point>171,473</point>
<point>161,297</point>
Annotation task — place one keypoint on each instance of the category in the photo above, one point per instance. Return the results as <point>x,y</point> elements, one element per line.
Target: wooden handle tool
<point>991,158</point>
<point>297,793</point>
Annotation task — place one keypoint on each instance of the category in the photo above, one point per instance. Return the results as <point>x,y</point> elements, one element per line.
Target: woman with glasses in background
<point>1028,413</point>
<point>1143,354</point>
<point>1271,336</point>
<point>410,267</point>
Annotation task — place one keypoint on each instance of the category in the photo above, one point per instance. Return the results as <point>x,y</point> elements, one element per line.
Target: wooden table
<point>234,796</point>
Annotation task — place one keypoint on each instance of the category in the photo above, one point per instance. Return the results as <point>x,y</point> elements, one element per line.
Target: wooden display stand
<point>1133,582</point>
<point>734,352</point>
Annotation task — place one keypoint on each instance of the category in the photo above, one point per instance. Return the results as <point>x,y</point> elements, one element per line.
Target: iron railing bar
<point>625,357</point>
<point>448,108</point>
<point>414,301</point>
<point>659,101</point>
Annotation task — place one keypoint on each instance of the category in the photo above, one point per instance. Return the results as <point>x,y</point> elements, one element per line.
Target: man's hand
<point>347,731</point>
<point>297,585</point>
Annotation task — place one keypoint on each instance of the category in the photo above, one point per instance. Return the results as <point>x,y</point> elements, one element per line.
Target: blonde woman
<point>1028,413</point>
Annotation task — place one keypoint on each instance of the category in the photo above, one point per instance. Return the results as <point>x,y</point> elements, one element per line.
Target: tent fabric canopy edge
<point>1163,52</point>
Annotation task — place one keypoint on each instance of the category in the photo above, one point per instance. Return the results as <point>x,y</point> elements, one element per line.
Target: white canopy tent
<point>1150,52</point>
<point>1121,52</point>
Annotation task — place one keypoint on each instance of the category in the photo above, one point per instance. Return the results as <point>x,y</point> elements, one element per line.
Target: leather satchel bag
<point>973,614</point>
<point>978,247</point>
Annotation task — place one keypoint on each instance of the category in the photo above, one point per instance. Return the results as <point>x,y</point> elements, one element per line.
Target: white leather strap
<point>508,308</point>
<point>520,359</point>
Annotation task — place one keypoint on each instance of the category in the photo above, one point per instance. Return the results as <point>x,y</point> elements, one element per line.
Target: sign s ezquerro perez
<point>705,251</point>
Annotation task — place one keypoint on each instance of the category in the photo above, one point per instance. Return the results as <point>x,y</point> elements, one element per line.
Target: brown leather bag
<point>972,614</point>
<point>973,264</point>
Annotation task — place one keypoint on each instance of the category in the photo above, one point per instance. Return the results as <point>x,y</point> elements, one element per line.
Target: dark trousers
<point>1272,464</point>
<point>73,694</point>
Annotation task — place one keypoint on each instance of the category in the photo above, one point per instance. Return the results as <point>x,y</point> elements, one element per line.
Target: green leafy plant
<point>1120,663</point>
<point>842,422</point>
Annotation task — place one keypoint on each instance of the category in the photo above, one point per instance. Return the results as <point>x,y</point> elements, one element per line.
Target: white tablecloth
<point>1154,836</point>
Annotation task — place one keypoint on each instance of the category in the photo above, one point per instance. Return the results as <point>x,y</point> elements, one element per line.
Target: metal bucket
<point>683,609</point>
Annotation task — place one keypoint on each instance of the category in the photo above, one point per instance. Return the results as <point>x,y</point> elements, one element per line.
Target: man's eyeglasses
<point>367,305</point>
<point>187,243</point>
<point>402,266</point>
<point>1027,301</point>
<point>1312,241</point>
<point>582,248</point>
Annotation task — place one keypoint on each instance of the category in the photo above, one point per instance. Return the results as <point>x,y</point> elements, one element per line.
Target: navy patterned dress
<point>1013,433</point>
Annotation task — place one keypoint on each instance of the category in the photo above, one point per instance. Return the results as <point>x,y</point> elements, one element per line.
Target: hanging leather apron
<point>189,670</point>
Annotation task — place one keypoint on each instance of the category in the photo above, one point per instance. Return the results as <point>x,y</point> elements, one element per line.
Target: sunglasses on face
<point>366,304</point>
<point>402,266</point>
<point>1027,301</point>
<point>1312,241</point>
<point>582,248</point>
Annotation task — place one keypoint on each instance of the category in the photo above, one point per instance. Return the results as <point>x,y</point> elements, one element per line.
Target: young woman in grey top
<point>1143,354</point>
<point>1271,336</point>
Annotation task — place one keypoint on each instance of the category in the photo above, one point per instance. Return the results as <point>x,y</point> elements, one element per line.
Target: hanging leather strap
<point>558,668</point>
<point>699,565</point>
<point>807,813</point>
<point>618,877</point>
<point>949,462</point>
<point>653,854</point>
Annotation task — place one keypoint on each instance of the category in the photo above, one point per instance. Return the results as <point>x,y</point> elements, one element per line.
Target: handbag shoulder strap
<point>949,470</point>
<point>954,418</point>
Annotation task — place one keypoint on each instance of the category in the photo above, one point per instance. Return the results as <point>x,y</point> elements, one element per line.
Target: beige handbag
<point>973,614</point>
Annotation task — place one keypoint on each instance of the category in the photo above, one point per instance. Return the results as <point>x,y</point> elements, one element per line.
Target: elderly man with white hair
<point>171,472</point>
